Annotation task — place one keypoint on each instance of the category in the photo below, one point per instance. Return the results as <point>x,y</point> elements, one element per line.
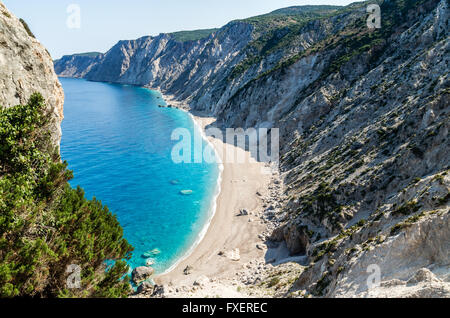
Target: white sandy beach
<point>227,231</point>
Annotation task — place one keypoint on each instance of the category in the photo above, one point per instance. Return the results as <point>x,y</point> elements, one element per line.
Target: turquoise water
<point>118,142</point>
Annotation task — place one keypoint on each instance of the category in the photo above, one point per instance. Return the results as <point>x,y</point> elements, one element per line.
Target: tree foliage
<point>45,225</point>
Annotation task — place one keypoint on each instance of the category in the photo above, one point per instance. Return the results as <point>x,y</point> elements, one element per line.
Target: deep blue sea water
<point>118,142</point>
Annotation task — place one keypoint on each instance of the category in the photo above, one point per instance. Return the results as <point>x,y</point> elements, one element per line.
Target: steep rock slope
<point>364,120</point>
<point>76,65</point>
<point>370,158</point>
<point>26,67</point>
<point>199,71</point>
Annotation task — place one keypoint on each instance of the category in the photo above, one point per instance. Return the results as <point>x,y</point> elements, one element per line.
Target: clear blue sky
<point>104,22</point>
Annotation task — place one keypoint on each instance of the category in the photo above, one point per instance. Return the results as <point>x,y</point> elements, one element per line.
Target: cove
<point>117,140</point>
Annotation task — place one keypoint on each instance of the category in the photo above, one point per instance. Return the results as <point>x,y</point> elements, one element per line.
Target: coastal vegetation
<point>45,225</point>
<point>278,30</point>
<point>288,17</point>
<point>89,54</point>
<point>27,28</point>
<point>186,36</point>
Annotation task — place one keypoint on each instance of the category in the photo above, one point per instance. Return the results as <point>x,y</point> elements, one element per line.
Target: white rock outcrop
<point>26,67</point>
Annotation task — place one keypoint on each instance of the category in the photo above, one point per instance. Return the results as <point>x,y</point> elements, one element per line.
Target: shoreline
<point>213,208</point>
<point>225,233</point>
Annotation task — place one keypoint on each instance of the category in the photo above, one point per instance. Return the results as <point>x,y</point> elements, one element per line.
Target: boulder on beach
<point>201,281</point>
<point>158,290</point>
<point>243,212</point>
<point>141,274</point>
<point>145,288</point>
<point>188,270</point>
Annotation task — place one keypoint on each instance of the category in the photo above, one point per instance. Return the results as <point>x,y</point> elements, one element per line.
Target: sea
<point>118,141</point>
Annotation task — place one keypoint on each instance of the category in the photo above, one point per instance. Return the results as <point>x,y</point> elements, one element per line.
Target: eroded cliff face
<point>26,67</point>
<point>364,120</point>
<point>179,68</point>
<point>75,66</point>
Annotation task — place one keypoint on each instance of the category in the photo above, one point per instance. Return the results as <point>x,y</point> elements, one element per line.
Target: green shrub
<point>273,282</point>
<point>186,36</point>
<point>27,28</point>
<point>361,223</point>
<point>445,199</point>
<point>322,284</point>
<point>407,208</point>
